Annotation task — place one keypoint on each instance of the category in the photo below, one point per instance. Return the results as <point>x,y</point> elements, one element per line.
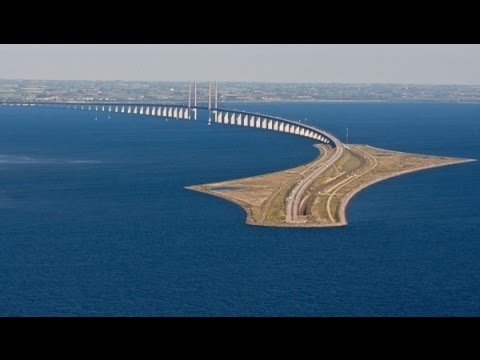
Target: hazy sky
<point>432,64</point>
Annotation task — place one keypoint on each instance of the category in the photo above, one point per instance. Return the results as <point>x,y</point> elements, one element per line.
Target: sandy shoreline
<point>346,200</point>
<point>252,219</point>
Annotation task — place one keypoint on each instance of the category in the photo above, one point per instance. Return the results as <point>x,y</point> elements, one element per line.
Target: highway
<point>295,197</point>
<point>335,180</point>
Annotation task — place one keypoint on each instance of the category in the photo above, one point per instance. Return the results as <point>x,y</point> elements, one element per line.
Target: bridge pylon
<point>209,102</point>
<point>195,100</point>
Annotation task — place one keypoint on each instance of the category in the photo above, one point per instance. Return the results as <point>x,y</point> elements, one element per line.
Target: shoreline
<point>345,200</point>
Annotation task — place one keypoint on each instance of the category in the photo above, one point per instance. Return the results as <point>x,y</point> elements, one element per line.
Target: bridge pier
<point>239,119</point>
<point>245,120</point>
<point>220,116</point>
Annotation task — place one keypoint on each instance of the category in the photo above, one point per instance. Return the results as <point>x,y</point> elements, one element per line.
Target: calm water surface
<point>95,220</point>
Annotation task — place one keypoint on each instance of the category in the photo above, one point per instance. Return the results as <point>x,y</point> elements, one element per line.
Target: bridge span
<point>226,117</point>
<point>185,112</point>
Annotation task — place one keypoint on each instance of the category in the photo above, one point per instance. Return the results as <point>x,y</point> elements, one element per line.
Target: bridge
<point>221,116</point>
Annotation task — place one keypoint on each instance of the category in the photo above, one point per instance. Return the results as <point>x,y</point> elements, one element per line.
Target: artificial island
<point>312,195</point>
<point>315,195</point>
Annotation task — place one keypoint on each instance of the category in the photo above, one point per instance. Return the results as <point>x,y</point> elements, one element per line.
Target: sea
<point>95,219</point>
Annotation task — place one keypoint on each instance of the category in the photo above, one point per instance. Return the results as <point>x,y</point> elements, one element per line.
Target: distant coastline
<point>241,92</point>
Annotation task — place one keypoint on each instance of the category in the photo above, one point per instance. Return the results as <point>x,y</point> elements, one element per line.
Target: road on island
<point>324,188</point>
<point>294,199</point>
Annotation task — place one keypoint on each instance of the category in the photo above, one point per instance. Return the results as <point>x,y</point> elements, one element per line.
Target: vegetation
<point>264,196</point>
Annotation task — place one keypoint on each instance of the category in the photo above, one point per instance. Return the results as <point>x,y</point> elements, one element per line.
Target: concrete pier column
<point>147,111</point>
<point>270,124</point>
<point>123,109</point>
<point>220,118</point>
<point>264,123</point>
<point>245,120</point>
<point>252,121</point>
<point>129,110</point>
<point>116,108</point>
<point>175,113</point>
<point>141,110</point>
<point>239,119</point>
<point>135,109</point>
<point>281,127</point>
<point>170,112</point>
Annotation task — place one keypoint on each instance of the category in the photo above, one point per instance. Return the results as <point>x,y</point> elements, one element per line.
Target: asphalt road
<point>295,197</point>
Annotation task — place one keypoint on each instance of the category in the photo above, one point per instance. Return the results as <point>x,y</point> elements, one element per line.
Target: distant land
<point>156,91</point>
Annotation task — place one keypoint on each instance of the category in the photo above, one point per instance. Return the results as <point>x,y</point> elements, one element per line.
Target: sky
<point>408,64</point>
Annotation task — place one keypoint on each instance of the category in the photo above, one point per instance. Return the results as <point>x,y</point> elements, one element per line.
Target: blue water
<point>94,219</point>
